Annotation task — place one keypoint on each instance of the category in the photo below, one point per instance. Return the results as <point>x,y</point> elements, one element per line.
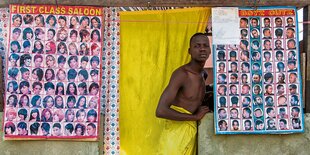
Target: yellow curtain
<point>153,45</point>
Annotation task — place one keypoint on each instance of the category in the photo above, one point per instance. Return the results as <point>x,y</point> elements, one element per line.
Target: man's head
<point>278,33</point>
<point>294,100</point>
<point>291,44</point>
<point>280,89</point>
<point>290,21</point>
<point>199,47</point>
<point>235,125</point>
<point>295,112</point>
<point>267,44</point>
<point>222,114</point>
<point>233,67</point>
<point>233,89</point>
<point>267,56</point>
<point>290,33</point>
<point>246,113</point>
<point>278,22</point>
<point>282,124</point>
<point>271,123</point>
<point>267,22</point>
<point>245,89</point>
<point>243,23</point>
<point>259,125</point>
<point>247,125</point>
<point>282,101</point>
<point>278,44</point>
<point>271,113</point>
<point>233,78</point>
<point>234,113</point>
<point>254,22</point>
<point>223,125</point>
<point>293,89</point>
<point>256,78</point>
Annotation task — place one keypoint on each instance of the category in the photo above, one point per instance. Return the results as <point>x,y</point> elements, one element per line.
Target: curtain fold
<point>153,45</point>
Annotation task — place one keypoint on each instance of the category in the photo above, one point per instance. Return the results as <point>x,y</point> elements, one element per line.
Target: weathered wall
<point>209,143</point>
<point>48,147</point>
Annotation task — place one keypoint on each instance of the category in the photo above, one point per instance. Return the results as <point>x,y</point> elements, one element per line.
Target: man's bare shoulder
<point>181,71</point>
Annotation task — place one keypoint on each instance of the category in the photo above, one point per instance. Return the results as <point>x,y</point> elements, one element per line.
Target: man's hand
<point>201,111</point>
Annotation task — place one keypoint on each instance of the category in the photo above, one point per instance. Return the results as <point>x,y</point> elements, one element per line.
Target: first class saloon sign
<point>53,74</point>
<point>258,82</point>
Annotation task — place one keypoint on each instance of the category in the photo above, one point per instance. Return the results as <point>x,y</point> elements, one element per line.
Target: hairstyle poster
<point>258,82</point>
<point>53,72</point>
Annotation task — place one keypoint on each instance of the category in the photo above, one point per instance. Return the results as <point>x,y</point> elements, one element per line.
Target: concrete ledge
<point>209,143</point>
<point>45,147</point>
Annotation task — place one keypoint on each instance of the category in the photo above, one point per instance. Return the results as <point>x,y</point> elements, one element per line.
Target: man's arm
<point>163,109</point>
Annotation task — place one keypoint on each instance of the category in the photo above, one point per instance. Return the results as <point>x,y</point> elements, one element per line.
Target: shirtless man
<point>182,99</point>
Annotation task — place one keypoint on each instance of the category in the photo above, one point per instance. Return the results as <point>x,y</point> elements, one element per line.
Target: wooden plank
<point>162,3</point>
<point>306,47</point>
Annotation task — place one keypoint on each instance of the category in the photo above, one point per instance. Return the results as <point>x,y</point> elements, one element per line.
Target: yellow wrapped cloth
<point>178,137</point>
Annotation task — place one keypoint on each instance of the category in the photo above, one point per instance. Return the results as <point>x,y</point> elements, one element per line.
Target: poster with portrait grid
<point>53,75</point>
<point>258,85</point>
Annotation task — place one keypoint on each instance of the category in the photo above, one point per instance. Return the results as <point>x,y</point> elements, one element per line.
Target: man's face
<point>278,44</point>
<point>233,67</point>
<point>295,125</point>
<point>281,78</point>
<point>247,126</point>
<point>255,34</point>
<point>200,48</point>
<point>256,78</point>
<point>289,33</point>
<point>221,79</point>
<point>260,126</point>
<point>290,45</point>
<point>223,114</point>
<point>267,45</point>
<point>291,66</point>
<point>233,90</point>
<point>221,90</point>
<point>234,113</point>
<point>243,24</point>
<point>244,79</point>
<point>245,114</point>
<point>235,126</point>
<point>223,127</point>
<point>244,68</point>
<point>267,22</point>
<point>267,33</point>
<point>254,22</point>
<point>282,101</point>
<point>245,89</point>
<point>293,101</point>
<point>258,113</point>
<point>281,90</point>
<point>256,90</point>
<point>292,90</point>
<point>221,67</point>
<point>295,113</point>
<point>233,79</point>
<point>282,125</point>
<point>272,124</point>
<point>267,57</point>
<point>290,22</point>
<point>278,22</point>
<point>269,90</point>
<point>272,114</point>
